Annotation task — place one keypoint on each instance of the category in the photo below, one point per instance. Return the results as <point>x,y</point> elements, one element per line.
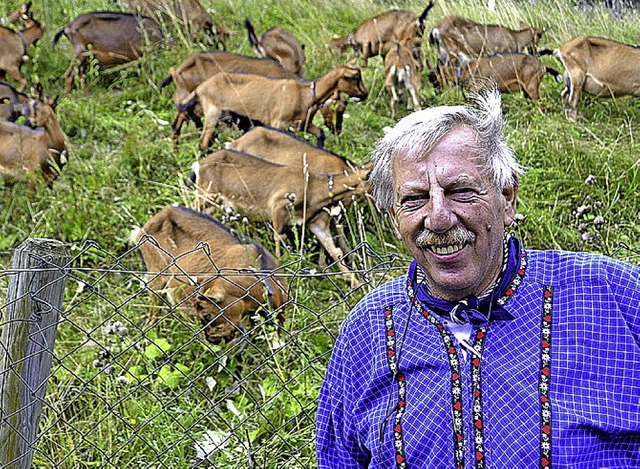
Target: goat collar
<point>24,41</point>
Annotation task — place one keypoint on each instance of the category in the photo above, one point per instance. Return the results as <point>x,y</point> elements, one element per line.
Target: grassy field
<point>123,168</point>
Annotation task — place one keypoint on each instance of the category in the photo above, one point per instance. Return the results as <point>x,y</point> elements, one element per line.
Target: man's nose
<point>439,217</point>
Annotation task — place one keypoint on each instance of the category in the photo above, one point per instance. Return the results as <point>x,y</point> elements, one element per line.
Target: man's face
<point>450,215</point>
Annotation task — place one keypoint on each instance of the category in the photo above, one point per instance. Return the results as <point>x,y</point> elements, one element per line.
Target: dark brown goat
<point>280,45</point>
<point>511,72</point>
<point>14,49</point>
<point>198,262</point>
<point>375,35</point>
<point>199,66</point>
<point>187,16</point>
<point>455,34</point>
<point>283,195</point>
<point>11,102</point>
<point>24,150</point>
<point>112,38</point>
<point>283,103</point>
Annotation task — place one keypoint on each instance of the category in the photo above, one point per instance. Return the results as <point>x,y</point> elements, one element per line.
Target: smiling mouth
<point>448,249</point>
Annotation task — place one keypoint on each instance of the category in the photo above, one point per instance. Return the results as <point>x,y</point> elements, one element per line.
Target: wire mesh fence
<point>125,391</point>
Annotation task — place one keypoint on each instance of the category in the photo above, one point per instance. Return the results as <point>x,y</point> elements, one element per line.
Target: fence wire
<point>126,392</point>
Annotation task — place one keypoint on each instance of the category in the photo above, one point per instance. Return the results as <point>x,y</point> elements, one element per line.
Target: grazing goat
<point>199,66</point>
<point>197,261</point>
<point>597,66</point>
<point>112,38</point>
<point>403,74</point>
<point>283,195</point>
<point>14,49</point>
<point>187,16</point>
<point>375,35</point>
<point>11,102</point>
<point>280,45</point>
<point>455,34</point>
<point>332,111</point>
<point>23,149</point>
<point>20,15</point>
<point>286,149</point>
<point>511,72</point>
<point>283,103</point>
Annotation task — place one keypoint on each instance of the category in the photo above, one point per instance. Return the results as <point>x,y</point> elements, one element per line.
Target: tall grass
<point>123,168</point>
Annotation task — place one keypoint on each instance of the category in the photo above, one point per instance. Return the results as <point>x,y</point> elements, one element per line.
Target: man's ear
<point>510,195</point>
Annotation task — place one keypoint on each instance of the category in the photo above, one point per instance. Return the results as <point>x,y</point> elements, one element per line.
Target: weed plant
<point>164,397</point>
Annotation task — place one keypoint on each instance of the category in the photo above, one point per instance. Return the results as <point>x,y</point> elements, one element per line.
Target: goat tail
<point>557,76</point>
<point>424,14</point>
<point>57,36</point>
<point>189,102</point>
<point>253,39</point>
<point>167,81</point>
<point>542,52</point>
<point>434,36</point>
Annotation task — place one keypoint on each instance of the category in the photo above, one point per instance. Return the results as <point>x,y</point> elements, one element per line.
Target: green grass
<point>123,168</point>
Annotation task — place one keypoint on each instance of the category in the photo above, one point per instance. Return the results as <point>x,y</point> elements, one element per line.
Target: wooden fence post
<point>28,324</point>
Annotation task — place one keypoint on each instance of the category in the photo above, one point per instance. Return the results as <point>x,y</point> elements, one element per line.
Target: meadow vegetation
<point>579,192</point>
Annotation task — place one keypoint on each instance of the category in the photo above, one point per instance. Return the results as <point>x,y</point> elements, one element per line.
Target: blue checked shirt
<point>558,386</point>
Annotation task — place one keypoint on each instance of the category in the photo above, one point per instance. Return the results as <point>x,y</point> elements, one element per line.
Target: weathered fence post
<point>28,325</point>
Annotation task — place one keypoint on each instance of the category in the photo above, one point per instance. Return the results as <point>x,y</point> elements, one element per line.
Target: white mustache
<point>456,235</point>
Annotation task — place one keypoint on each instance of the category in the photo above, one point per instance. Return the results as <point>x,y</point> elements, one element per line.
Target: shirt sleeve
<point>337,441</point>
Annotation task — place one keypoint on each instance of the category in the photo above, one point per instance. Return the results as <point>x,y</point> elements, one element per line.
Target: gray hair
<point>421,131</point>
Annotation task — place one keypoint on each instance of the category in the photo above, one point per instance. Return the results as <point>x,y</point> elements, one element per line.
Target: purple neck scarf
<point>472,309</point>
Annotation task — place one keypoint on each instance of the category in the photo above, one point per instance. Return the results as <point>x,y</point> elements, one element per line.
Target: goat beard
<point>457,235</point>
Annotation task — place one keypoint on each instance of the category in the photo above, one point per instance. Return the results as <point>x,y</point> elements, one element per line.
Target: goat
<point>332,111</point>
<point>14,49</point>
<point>283,195</point>
<point>198,261</point>
<point>375,35</point>
<point>455,34</point>
<point>188,16</point>
<point>598,66</point>
<point>283,103</point>
<point>199,66</point>
<point>511,72</point>
<point>11,102</point>
<point>112,38</point>
<point>280,45</point>
<point>20,15</point>
<point>286,149</point>
<point>403,74</point>
<point>23,150</point>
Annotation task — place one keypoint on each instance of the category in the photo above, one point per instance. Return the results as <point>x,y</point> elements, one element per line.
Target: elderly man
<point>484,354</point>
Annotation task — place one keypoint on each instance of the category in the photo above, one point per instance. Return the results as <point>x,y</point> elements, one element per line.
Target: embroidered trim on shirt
<point>543,384</point>
<point>456,387</point>
<point>392,361</point>
<point>476,386</point>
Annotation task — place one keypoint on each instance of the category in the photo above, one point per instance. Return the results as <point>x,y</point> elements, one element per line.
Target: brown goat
<point>597,66</point>
<point>197,261</point>
<point>375,35</point>
<point>23,149</point>
<point>332,111</point>
<point>14,49</point>
<point>283,103</point>
<point>187,16</point>
<point>403,74</point>
<point>112,38</point>
<point>455,34</point>
<point>286,149</point>
<point>283,195</point>
<point>280,45</point>
<point>20,15</point>
<point>511,72</point>
<point>11,102</point>
<point>199,66</point>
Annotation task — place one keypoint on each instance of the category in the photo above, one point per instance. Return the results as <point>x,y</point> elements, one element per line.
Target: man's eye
<point>462,194</point>
<point>414,200</point>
